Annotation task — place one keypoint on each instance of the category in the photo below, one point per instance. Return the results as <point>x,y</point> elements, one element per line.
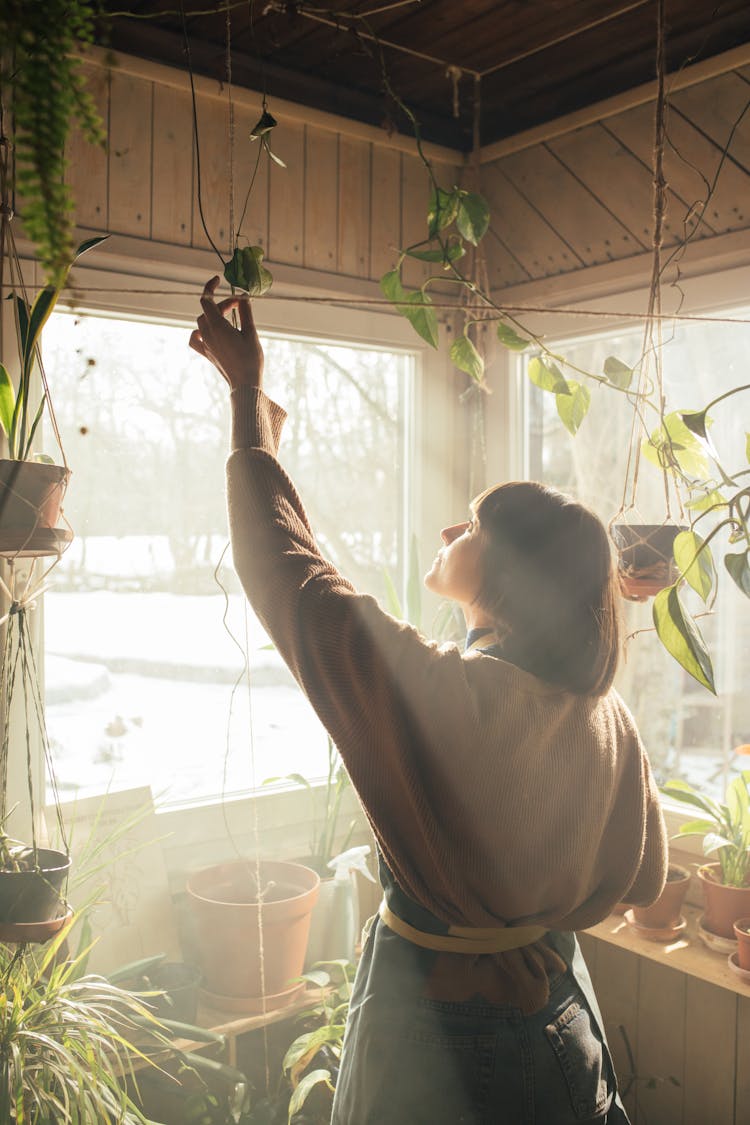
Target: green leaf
<point>696,828</point>
<point>674,445</point>
<point>263,126</point>
<point>707,500</point>
<point>694,559</point>
<point>7,400</point>
<point>681,637</point>
<point>89,244</point>
<point>738,566</point>
<point>713,841</point>
<point>246,271</point>
<point>510,338</point>
<point>452,252</point>
<point>442,210</point>
<point>618,373</point>
<point>467,358</point>
<point>573,406</point>
<point>473,217</point>
<point>308,1083</point>
<point>548,376</point>
<point>682,791</point>
<point>43,305</point>
<point>422,317</point>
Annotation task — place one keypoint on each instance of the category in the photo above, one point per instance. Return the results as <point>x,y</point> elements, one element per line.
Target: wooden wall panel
<point>250,175</point>
<point>533,242</point>
<point>385,210</point>
<point>661,1044</point>
<point>617,992</point>
<point>415,197</point>
<point>321,199</point>
<point>742,1084</point>
<point>635,130</point>
<point>211,195</point>
<point>718,108</point>
<point>130,149</point>
<point>88,165</point>
<point>589,228</point>
<point>710,1020</point>
<point>287,196</point>
<point>354,208</point>
<point>172,183</point>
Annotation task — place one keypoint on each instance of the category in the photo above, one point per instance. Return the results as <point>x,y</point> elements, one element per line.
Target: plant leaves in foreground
<point>7,400</point>
<point>682,638</point>
<point>416,306</point>
<point>548,376</point>
<point>695,561</point>
<point>510,338</point>
<point>467,358</point>
<point>246,271</point>
<point>617,372</point>
<point>738,566</point>
<point>573,406</point>
<point>473,217</point>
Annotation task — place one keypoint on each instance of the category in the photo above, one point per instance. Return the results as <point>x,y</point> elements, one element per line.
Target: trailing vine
<point>41,78</point>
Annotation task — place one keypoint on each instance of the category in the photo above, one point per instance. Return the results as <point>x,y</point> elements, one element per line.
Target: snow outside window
<point>688,732</point>
<point>144,681</point>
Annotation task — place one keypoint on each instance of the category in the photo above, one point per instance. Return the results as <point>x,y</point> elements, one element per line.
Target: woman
<point>506,786</point>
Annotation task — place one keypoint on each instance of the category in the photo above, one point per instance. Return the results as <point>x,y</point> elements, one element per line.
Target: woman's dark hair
<point>550,585</point>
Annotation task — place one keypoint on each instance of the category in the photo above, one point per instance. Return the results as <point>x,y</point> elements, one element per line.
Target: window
<point>144,681</point>
<point>688,732</point>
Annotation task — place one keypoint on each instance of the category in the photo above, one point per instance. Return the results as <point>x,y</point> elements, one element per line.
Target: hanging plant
<point>41,82</point>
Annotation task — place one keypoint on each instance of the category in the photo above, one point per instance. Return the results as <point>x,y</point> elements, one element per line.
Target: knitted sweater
<point>495,797</point>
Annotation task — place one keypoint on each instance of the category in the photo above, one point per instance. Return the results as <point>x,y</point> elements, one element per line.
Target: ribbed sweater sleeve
<point>494,797</point>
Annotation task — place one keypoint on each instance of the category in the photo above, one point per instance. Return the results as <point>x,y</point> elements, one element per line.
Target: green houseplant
<point>725,828</point>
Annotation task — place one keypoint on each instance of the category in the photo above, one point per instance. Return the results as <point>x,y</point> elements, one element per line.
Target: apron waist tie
<point>463,939</point>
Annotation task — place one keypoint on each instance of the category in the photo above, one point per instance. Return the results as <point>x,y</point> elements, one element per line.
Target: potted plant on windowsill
<point>725,828</point>
<point>662,920</point>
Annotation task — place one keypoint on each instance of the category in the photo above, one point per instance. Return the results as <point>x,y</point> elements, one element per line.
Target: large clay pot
<point>665,912</point>
<point>229,925</point>
<point>36,895</point>
<point>31,494</point>
<point>742,933</point>
<point>723,904</point>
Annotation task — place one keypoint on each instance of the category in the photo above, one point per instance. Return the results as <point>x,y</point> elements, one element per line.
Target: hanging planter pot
<point>31,885</point>
<point>31,497</point>
<point>251,924</point>
<point>645,561</point>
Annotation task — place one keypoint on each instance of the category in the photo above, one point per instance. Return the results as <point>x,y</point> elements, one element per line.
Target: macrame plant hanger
<point>625,525</point>
<point>30,554</point>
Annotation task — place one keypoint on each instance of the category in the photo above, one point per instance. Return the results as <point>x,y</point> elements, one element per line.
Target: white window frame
<point>118,281</point>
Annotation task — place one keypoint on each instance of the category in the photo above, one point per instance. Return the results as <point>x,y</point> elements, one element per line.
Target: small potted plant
<point>742,933</point>
<point>662,920</point>
<point>31,888</point>
<point>725,828</point>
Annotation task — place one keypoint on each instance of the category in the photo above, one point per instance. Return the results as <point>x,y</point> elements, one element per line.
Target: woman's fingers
<point>196,342</point>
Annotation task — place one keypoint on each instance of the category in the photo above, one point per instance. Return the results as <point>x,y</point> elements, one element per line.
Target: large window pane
<point>688,731</point>
<point>143,680</point>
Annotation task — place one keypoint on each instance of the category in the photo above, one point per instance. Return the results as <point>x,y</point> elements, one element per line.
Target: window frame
<point>278,820</point>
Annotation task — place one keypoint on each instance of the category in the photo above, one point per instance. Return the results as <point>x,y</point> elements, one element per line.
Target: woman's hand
<point>235,352</point>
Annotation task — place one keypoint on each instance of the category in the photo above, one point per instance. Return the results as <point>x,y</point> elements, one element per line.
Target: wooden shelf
<point>687,954</point>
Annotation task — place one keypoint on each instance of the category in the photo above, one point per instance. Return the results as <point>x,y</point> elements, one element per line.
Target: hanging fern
<point>42,83</point>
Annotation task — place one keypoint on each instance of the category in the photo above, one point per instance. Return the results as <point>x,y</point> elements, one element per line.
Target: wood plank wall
<point>688,1039</point>
<point>343,205</point>
<point>584,197</point>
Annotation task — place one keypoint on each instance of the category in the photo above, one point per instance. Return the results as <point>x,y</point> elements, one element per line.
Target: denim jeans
<point>409,1060</point>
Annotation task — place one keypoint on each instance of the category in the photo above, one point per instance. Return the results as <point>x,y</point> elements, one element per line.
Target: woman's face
<point>456,572</point>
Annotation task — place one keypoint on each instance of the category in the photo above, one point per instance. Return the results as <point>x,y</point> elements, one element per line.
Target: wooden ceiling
<point>496,67</point>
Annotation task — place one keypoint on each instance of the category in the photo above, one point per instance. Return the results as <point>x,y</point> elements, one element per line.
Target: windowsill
<point>687,954</point>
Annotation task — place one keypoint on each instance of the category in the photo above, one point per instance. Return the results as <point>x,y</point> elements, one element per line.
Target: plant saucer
<point>656,933</point>
<point>734,965</point>
<point>18,933</point>
<point>717,943</point>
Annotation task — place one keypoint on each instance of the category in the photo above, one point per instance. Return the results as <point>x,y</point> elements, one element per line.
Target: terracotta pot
<point>742,933</point>
<point>666,911</point>
<point>229,923</point>
<point>645,562</point>
<point>723,903</point>
<point>34,896</point>
<point>31,494</point>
